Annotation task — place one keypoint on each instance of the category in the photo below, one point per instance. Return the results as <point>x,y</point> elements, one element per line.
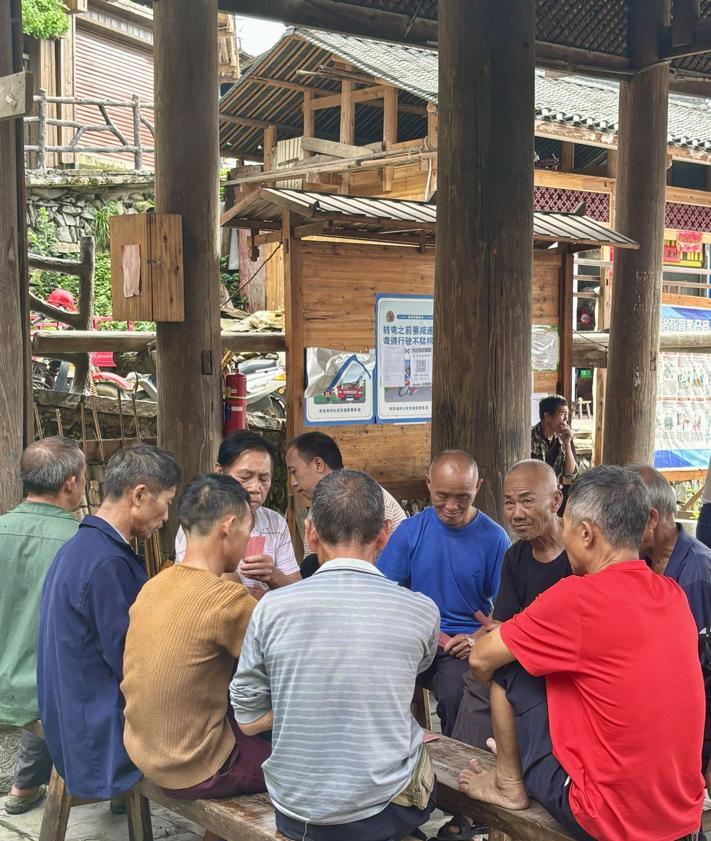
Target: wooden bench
<point>251,817</point>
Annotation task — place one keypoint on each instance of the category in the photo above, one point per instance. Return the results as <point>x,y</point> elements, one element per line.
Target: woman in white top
<point>270,562</point>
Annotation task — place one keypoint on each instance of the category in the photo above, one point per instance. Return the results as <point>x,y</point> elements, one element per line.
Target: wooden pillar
<point>630,403</point>
<point>567,317</point>
<point>347,126</point>
<point>389,132</point>
<point>484,256</point>
<point>432,125</point>
<point>187,174</point>
<point>309,118</point>
<point>567,157</point>
<point>15,382</point>
<point>270,141</point>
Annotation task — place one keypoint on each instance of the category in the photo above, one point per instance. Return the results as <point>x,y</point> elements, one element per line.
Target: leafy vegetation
<point>101,224</point>
<point>230,280</point>
<point>44,18</point>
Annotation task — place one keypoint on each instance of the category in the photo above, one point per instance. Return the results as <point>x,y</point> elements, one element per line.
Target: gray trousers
<point>34,764</point>
<point>473,722</point>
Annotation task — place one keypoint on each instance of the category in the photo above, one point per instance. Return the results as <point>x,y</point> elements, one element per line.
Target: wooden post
<point>42,129</point>
<point>567,157</point>
<point>138,153</point>
<point>309,119</point>
<point>432,125</point>
<point>15,362</point>
<point>566,315</point>
<point>347,125</point>
<point>484,256</point>
<point>295,358</point>
<point>389,132</point>
<point>270,140</point>
<point>187,174</point>
<point>630,403</point>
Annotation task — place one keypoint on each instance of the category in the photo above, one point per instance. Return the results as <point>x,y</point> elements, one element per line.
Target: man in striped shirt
<point>329,664</point>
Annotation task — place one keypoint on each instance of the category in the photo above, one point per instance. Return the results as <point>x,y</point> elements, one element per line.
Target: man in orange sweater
<point>185,632</point>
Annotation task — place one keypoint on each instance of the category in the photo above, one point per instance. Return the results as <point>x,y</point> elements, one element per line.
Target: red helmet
<point>62,298</point>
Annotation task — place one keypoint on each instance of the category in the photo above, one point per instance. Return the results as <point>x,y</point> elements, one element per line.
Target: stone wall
<point>72,198</point>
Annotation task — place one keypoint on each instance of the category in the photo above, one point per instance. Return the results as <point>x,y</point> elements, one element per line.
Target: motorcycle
<point>266,385</point>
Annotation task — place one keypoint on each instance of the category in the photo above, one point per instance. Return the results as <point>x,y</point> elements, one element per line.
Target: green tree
<point>44,18</point>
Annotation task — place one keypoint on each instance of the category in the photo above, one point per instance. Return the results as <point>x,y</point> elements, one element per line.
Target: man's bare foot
<point>490,787</point>
<point>491,744</point>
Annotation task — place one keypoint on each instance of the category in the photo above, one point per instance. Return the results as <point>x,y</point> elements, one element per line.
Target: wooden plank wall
<point>546,308</point>
<point>337,284</point>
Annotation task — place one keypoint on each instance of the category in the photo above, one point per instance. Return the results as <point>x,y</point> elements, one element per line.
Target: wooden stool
<point>583,408</point>
<point>59,802</point>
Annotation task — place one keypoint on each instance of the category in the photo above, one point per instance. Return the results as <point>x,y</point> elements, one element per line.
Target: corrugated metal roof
<point>569,100</point>
<point>395,217</point>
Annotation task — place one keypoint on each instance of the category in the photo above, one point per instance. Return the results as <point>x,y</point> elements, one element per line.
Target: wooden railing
<point>120,144</point>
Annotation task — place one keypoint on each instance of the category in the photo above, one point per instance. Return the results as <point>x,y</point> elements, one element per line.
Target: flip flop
<point>467,830</point>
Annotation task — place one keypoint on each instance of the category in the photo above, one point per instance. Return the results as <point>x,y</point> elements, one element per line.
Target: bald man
<point>452,553</point>
<point>532,498</point>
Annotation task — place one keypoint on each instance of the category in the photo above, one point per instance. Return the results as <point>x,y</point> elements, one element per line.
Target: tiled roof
<point>413,69</point>
<point>573,100</point>
<point>579,101</point>
<point>568,100</point>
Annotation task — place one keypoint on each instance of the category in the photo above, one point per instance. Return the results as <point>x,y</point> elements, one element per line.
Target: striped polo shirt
<point>335,656</point>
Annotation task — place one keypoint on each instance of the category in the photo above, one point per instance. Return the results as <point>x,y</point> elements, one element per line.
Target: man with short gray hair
<point>53,473</point>
<point>671,551</point>
<point>609,744</point>
<point>329,664</point>
<point>89,589</point>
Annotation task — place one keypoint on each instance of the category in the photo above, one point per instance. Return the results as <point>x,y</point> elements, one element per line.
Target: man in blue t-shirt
<point>452,553</point>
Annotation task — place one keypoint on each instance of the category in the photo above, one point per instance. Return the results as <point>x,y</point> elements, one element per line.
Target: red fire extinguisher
<point>235,403</point>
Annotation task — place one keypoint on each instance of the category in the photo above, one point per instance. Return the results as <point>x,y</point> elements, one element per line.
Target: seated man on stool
<point>610,742</point>
<point>185,634</point>
<point>452,553</point>
<point>330,663</point>
<point>53,473</point>
<point>92,583</point>
<point>670,551</point>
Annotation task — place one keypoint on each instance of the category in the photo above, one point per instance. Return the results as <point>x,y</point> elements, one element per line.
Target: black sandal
<point>467,830</point>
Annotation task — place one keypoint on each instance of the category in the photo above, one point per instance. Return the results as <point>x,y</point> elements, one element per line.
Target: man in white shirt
<point>309,458</point>
<point>270,561</point>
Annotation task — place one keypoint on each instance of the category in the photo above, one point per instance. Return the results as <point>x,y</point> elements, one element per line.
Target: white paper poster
<point>404,337</point>
<point>339,387</point>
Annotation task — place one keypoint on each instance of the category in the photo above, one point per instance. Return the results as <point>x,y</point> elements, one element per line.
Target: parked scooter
<point>266,385</point>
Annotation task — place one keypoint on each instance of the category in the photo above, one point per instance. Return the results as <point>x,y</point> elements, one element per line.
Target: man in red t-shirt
<point>609,743</point>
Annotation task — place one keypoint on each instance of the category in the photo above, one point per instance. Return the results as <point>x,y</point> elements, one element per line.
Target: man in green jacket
<point>53,473</point>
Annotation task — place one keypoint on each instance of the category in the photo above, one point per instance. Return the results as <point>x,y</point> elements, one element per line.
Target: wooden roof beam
<point>340,17</point>
<point>238,120</point>
<point>697,43</point>
<point>361,95</point>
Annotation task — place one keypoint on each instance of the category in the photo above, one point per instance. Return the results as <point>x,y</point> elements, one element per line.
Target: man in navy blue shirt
<point>93,581</point>
<point>670,551</point>
<point>452,553</point>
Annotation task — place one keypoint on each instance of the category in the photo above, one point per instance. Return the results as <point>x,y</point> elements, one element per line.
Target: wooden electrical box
<point>147,267</point>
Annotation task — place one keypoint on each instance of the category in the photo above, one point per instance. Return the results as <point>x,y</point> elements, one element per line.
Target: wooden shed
<point>340,252</point>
